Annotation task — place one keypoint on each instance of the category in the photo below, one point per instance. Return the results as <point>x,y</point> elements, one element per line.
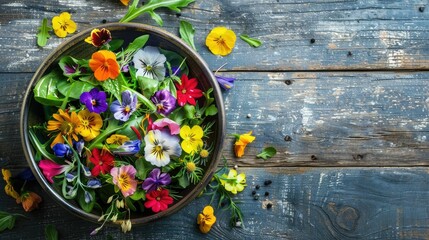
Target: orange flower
<point>206,219</point>
<point>65,125</point>
<point>241,143</point>
<point>104,65</point>
<point>29,200</point>
<point>125,2</point>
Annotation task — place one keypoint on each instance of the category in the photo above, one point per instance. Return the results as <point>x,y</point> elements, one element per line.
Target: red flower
<point>103,162</point>
<point>158,200</point>
<point>188,91</point>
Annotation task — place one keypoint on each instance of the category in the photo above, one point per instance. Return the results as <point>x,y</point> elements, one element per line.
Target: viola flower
<point>51,169</point>
<point>117,139</point>
<point>158,200</point>
<point>94,100</point>
<point>155,180</point>
<point>29,201</point>
<point>165,102</point>
<point>93,183</point>
<point>221,41</point>
<point>103,162</point>
<point>122,111</point>
<point>123,177</point>
<point>166,122</point>
<point>187,91</point>
<point>232,182</point>
<point>63,24</point>
<point>192,141</point>
<point>241,143</point>
<point>90,124</point>
<point>149,63</point>
<point>206,219</point>
<point>128,148</point>
<point>65,124</point>
<point>160,147</point>
<point>225,82</point>
<point>99,37</point>
<point>104,65</point>
<point>62,150</point>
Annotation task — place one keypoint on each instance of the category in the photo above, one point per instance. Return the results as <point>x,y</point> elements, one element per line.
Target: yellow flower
<point>221,41</point>
<point>191,138</point>
<point>117,139</point>
<point>241,143</point>
<point>204,153</point>
<point>63,24</point>
<point>10,191</point>
<point>90,124</point>
<point>232,182</point>
<point>65,125</point>
<point>190,166</point>
<point>206,219</point>
<point>6,174</point>
<point>125,2</point>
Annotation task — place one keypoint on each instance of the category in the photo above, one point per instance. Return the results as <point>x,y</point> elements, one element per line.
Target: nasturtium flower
<point>99,37</point>
<point>149,63</point>
<point>160,124</point>
<point>232,182</point>
<point>155,180</point>
<point>103,162</point>
<point>128,148</point>
<point>122,111</point>
<point>241,143</point>
<point>192,141</point>
<point>63,24</point>
<point>225,82</point>
<point>29,201</point>
<point>221,41</point>
<point>187,91</point>
<point>160,147</point>
<point>206,219</point>
<point>94,100</point>
<point>62,150</point>
<point>90,124</point>
<point>51,169</point>
<point>66,125</point>
<point>104,65</point>
<point>158,200</point>
<point>117,139</point>
<point>124,178</point>
<point>165,102</point>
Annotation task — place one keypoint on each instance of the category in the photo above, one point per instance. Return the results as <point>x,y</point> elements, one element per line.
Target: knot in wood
<point>347,218</point>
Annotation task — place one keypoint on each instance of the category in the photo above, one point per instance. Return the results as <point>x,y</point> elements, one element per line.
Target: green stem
<point>109,130</point>
<point>39,146</point>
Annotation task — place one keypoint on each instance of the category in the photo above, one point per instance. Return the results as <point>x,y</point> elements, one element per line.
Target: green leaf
<point>211,110</point>
<point>7,220</point>
<point>87,207</point>
<point>130,204</point>
<point>176,60</point>
<point>138,195</point>
<point>148,86</point>
<point>51,232</point>
<point>115,44</point>
<point>43,34</point>
<point>268,152</point>
<point>251,41</point>
<point>183,181</point>
<point>189,111</point>
<point>137,44</point>
<point>187,32</point>
<point>73,89</point>
<point>46,92</point>
<point>113,87</point>
<point>156,17</point>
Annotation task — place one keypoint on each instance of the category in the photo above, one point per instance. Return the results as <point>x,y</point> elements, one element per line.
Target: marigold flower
<point>221,41</point>
<point>206,219</point>
<point>117,139</point>
<point>29,201</point>
<point>158,200</point>
<point>241,143</point>
<point>103,162</point>
<point>99,37</point>
<point>90,124</point>
<point>187,91</point>
<point>104,65</point>
<point>192,141</point>
<point>63,24</point>
<point>124,178</point>
<point>232,182</point>
<point>65,125</point>
<point>51,169</point>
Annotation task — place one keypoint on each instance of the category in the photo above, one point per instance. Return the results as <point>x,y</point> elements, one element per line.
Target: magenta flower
<point>166,122</point>
<point>124,178</point>
<point>165,102</point>
<point>155,180</point>
<point>122,111</point>
<point>225,82</point>
<point>94,100</point>
<point>51,169</point>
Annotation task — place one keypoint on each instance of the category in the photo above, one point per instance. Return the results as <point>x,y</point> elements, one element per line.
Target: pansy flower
<point>162,123</point>
<point>29,201</point>
<point>158,200</point>
<point>160,146</point>
<point>241,143</point>
<point>221,41</point>
<point>155,180</point>
<point>51,169</point>
<point>122,111</point>
<point>103,162</point>
<point>63,24</point>
<point>104,65</point>
<point>65,124</point>
<point>225,82</point>
<point>128,148</point>
<point>206,219</point>
<point>233,182</point>
<point>124,178</point>
<point>99,37</point>
<point>94,100</point>
<point>117,139</point>
<point>149,63</point>
<point>165,102</point>
<point>187,91</point>
<point>192,141</point>
<point>90,124</point>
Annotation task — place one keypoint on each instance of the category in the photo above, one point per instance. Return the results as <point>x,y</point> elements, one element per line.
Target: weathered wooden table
<point>339,88</point>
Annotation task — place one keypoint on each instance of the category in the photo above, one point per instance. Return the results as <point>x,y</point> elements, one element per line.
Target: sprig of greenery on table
<point>7,220</point>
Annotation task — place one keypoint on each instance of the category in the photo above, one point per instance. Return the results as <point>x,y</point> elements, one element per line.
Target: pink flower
<point>166,122</point>
<point>51,169</point>
<point>124,178</point>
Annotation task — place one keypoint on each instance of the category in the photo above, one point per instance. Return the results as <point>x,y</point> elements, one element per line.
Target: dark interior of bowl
<point>31,112</point>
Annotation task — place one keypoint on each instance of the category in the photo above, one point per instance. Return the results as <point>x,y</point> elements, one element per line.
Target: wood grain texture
<point>347,34</point>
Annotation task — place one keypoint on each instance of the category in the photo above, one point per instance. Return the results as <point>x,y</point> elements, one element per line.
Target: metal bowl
<point>32,113</point>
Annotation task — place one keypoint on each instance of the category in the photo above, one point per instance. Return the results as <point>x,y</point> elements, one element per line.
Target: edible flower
<point>99,37</point>
<point>241,143</point>
<point>104,65</point>
<point>94,100</point>
<point>51,169</point>
<point>62,150</point>
<point>221,41</point>
<point>155,180</point>
<point>225,82</point>
<point>117,139</point>
<point>128,148</point>
<point>232,182</point>
<point>63,24</point>
<point>158,200</point>
<point>9,190</point>
<point>149,63</point>
<point>122,111</point>
<point>90,124</point>
<point>29,201</point>
<point>124,179</point>
<point>65,125</point>
<point>187,91</point>
<point>103,162</point>
<point>192,141</point>
<point>125,2</point>
<point>160,147</point>
<point>165,102</point>
<point>166,122</point>
<point>206,219</point>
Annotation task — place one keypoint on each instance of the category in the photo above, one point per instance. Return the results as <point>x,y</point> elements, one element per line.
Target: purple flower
<point>94,100</point>
<point>93,183</point>
<point>165,102</point>
<point>128,148</point>
<point>62,150</point>
<point>225,82</point>
<point>155,180</point>
<point>123,111</point>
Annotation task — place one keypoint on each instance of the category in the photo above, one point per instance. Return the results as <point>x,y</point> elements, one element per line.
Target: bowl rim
<point>67,44</point>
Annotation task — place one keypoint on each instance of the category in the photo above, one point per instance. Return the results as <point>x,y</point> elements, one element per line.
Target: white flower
<point>149,63</point>
<point>160,145</point>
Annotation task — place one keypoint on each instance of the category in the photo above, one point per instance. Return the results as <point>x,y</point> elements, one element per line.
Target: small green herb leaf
<point>43,34</point>
<point>51,232</point>
<point>187,32</point>
<point>267,153</point>
<point>251,41</point>
<point>211,110</point>
<point>7,220</point>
